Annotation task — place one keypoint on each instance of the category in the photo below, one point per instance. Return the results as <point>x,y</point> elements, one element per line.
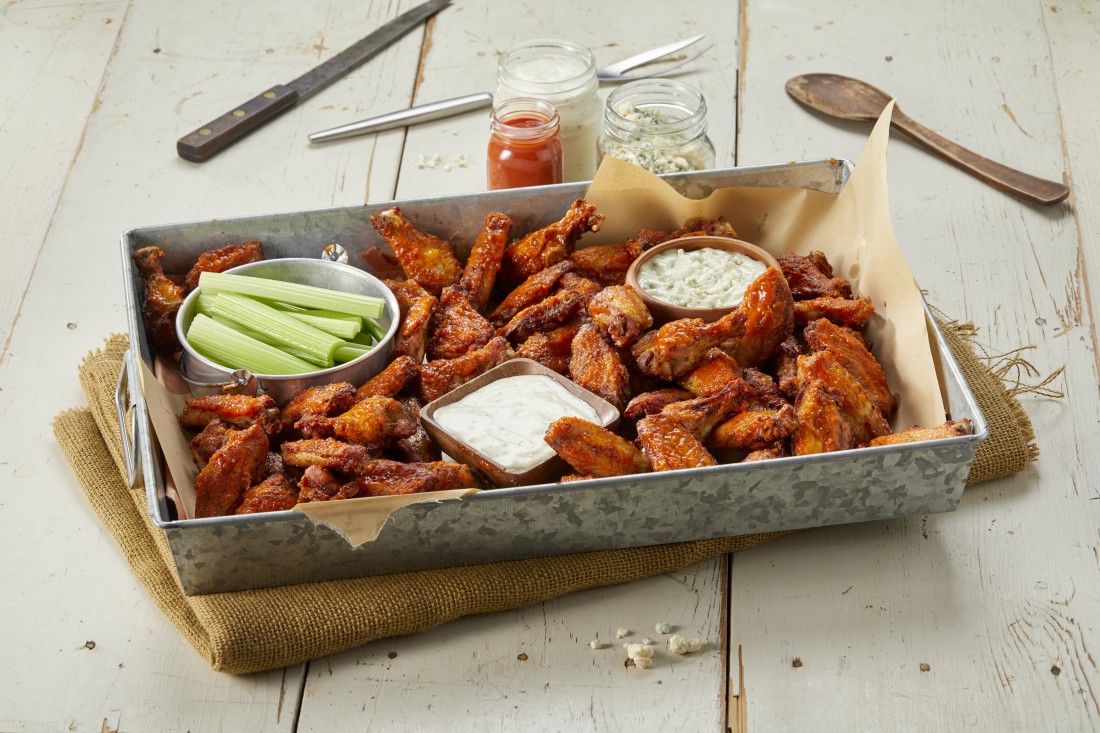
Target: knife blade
<point>213,137</point>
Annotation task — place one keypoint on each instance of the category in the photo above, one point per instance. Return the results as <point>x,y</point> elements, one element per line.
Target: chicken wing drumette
<point>551,244</point>
<point>424,257</point>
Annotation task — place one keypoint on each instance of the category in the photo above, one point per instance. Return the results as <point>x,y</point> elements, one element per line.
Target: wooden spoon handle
<point>1011,181</point>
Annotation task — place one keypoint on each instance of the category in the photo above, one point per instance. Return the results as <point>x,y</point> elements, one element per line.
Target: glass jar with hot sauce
<point>525,146</point>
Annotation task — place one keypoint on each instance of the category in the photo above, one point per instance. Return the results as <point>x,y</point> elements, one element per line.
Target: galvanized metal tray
<point>282,548</point>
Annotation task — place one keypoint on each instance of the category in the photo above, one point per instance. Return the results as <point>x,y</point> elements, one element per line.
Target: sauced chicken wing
<point>407,292</point>
<point>328,453</point>
<point>235,467</point>
<point>374,422</point>
<point>841,311</point>
<point>619,311</point>
<point>418,447</point>
<point>754,429</point>
<point>856,406</point>
<point>652,402</point>
<point>715,371</point>
<point>318,484</point>
<point>545,315</point>
<point>235,409</point>
<point>412,337</point>
<point>275,493</point>
<point>439,377</point>
<point>806,279</point>
<point>949,429</point>
<point>593,450</point>
<point>323,400</point>
<point>596,366</point>
<point>480,273</point>
<point>785,366</point>
<point>669,446</point>
<point>552,349</point>
<point>700,415</point>
<point>221,259</point>
<point>678,346</point>
<point>713,227</point>
<point>852,353</point>
<point>207,443</point>
<point>424,257</point>
<point>766,454</point>
<point>606,263</point>
<point>821,427</point>
<point>381,477</point>
<point>529,292</point>
<point>456,326</point>
<point>768,312</point>
<point>390,381</point>
<point>551,244</point>
<point>162,300</point>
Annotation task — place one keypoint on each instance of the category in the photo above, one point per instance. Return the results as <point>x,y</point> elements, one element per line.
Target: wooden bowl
<point>663,311</point>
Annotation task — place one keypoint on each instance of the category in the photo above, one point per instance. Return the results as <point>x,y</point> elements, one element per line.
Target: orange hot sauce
<point>524,145</point>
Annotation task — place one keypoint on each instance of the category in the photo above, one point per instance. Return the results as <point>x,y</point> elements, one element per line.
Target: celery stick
<point>293,293</point>
<point>234,350</point>
<point>341,325</point>
<point>264,319</point>
<point>264,339</point>
<point>363,339</point>
<point>349,352</point>
<point>375,329</point>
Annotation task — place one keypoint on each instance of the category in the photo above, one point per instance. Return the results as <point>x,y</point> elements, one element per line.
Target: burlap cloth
<point>251,631</point>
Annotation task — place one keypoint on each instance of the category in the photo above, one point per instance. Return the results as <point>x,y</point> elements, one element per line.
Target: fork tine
<point>645,57</point>
<point>603,74</point>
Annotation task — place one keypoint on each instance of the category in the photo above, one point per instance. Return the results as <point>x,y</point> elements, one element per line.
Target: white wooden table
<point>987,618</point>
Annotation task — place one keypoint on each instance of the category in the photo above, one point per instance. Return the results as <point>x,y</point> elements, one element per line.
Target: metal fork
<point>448,107</point>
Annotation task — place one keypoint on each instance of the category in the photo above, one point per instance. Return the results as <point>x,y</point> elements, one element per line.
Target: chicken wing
<point>390,381</point>
<point>375,422</point>
<point>325,400</point>
<point>207,443</point>
<point>231,471</point>
<point>407,292</point>
<point>418,447</point>
<point>713,227</point>
<point>545,315</point>
<point>551,244</point>
<point>700,415</point>
<point>669,446</point>
<point>915,433</point>
<point>480,273</point>
<point>424,257</point>
<point>593,450</point>
<point>766,454</point>
<point>163,299</point>
<point>221,259</point>
<point>236,409</point>
<point>456,327</point>
<point>841,311</point>
<point>652,402</point>
<point>381,477</point>
<point>821,427</point>
<point>768,312</point>
<point>552,349</point>
<point>412,337</point>
<point>275,493</point>
<point>854,356</point>
<point>529,292</point>
<point>619,311</point>
<point>806,279</point>
<point>753,430</point>
<point>606,263</point>
<point>439,377</point>
<point>329,453</point>
<point>318,484</point>
<point>785,366</point>
<point>715,371</point>
<point>596,366</point>
<point>857,408</point>
<point>679,346</point>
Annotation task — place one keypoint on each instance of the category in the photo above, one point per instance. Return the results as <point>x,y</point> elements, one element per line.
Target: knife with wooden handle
<point>215,136</point>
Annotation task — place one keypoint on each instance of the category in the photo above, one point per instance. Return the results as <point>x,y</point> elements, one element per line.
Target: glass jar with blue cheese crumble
<point>659,125</point>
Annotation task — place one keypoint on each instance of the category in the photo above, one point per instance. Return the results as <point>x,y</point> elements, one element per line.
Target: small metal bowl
<point>201,373</point>
<point>663,311</point>
<point>550,469</point>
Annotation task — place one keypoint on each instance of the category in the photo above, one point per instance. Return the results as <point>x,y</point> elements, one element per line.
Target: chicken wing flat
<point>915,433</point>
<point>841,311</point>
<point>767,394</point>
<point>275,493</point>
<point>209,441</point>
<point>412,337</point>
<point>529,292</point>
<point>552,349</point>
<point>700,415</point>
<point>163,299</point>
<point>669,446</point>
<point>596,366</point>
<point>606,263</point>
<point>325,400</point>
<point>768,311</point>
<point>592,450</point>
<point>390,381</point>
<point>785,366</point>
<point>821,427</point>
<point>480,273</point>
<point>857,409</point>
<point>439,377</point>
<point>375,422</point>
<point>231,471</point>
<point>715,371</point>
<point>852,353</point>
<point>652,402</point>
<point>335,455</point>
<point>766,454</point>
<point>407,292</point>
<point>318,484</point>
<point>712,227</point>
<point>235,409</point>
<point>679,346</point>
<point>456,327</point>
<point>221,259</point>
<point>381,477</point>
<point>545,315</point>
<point>424,257</point>
<point>551,244</point>
<point>619,311</point>
<point>418,447</point>
<point>807,280</point>
<point>753,430</point>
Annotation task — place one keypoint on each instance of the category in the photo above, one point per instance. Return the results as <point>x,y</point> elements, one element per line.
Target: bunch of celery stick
<point>280,328</point>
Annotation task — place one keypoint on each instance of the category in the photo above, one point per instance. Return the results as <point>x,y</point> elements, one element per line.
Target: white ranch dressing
<point>699,278</point>
<point>507,419</point>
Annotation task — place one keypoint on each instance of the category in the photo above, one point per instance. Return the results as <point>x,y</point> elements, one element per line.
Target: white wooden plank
<point>989,598</point>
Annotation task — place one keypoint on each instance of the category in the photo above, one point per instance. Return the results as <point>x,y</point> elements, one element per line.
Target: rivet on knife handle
<point>204,142</point>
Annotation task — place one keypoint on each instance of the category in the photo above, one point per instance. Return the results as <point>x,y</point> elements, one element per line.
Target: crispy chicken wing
<point>678,346</point>
<point>529,292</point>
<point>652,402</point>
<point>949,429</point>
<point>669,446</point>
<point>545,315</point>
<point>768,312</point>
<point>328,453</point>
<point>841,311</point>
<point>390,381</point>
<point>593,450</point>
<point>480,273</point>
<point>852,353</point>
<point>374,422</point>
<point>407,292</point>
<point>857,408</point>
<point>551,244</point>
<point>606,263</point>
<point>236,409</point>
<point>753,430</point>
<point>163,299</point>
<point>275,493</point>
<point>821,427</point>
<point>207,443</point>
<point>619,311</point>
<point>552,349</point>
<point>235,467</point>
<point>418,447</point>
<point>425,257</point>
<point>806,279</point>
<point>596,366</point>
<point>221,259</point>
<point>412,337</point>
<point>381,477</point>
<point>439,377</point>
<point>700,415</point>
<point>324,400</point>
<point>785,366</point>
<point>715,371</point>
<point>318,484</point>
<point>713,227</point>
<point>456,327</point>
<point>766,454</point>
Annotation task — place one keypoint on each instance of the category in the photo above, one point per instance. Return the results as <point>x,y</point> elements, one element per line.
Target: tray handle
<point>127,432</point>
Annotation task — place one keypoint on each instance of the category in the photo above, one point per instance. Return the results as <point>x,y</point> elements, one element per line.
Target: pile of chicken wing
<point>786,373</point>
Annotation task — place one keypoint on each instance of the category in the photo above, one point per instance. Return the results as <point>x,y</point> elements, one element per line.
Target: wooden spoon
<point>851,99</point>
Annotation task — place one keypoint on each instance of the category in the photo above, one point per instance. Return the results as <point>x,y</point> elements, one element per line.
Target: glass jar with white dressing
<point>563,74</point>
<point>659,125</point>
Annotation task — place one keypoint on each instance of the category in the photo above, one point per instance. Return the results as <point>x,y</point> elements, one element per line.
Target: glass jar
<point>563,74</point>
<point>525,147</point>
<point>658,124</point>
